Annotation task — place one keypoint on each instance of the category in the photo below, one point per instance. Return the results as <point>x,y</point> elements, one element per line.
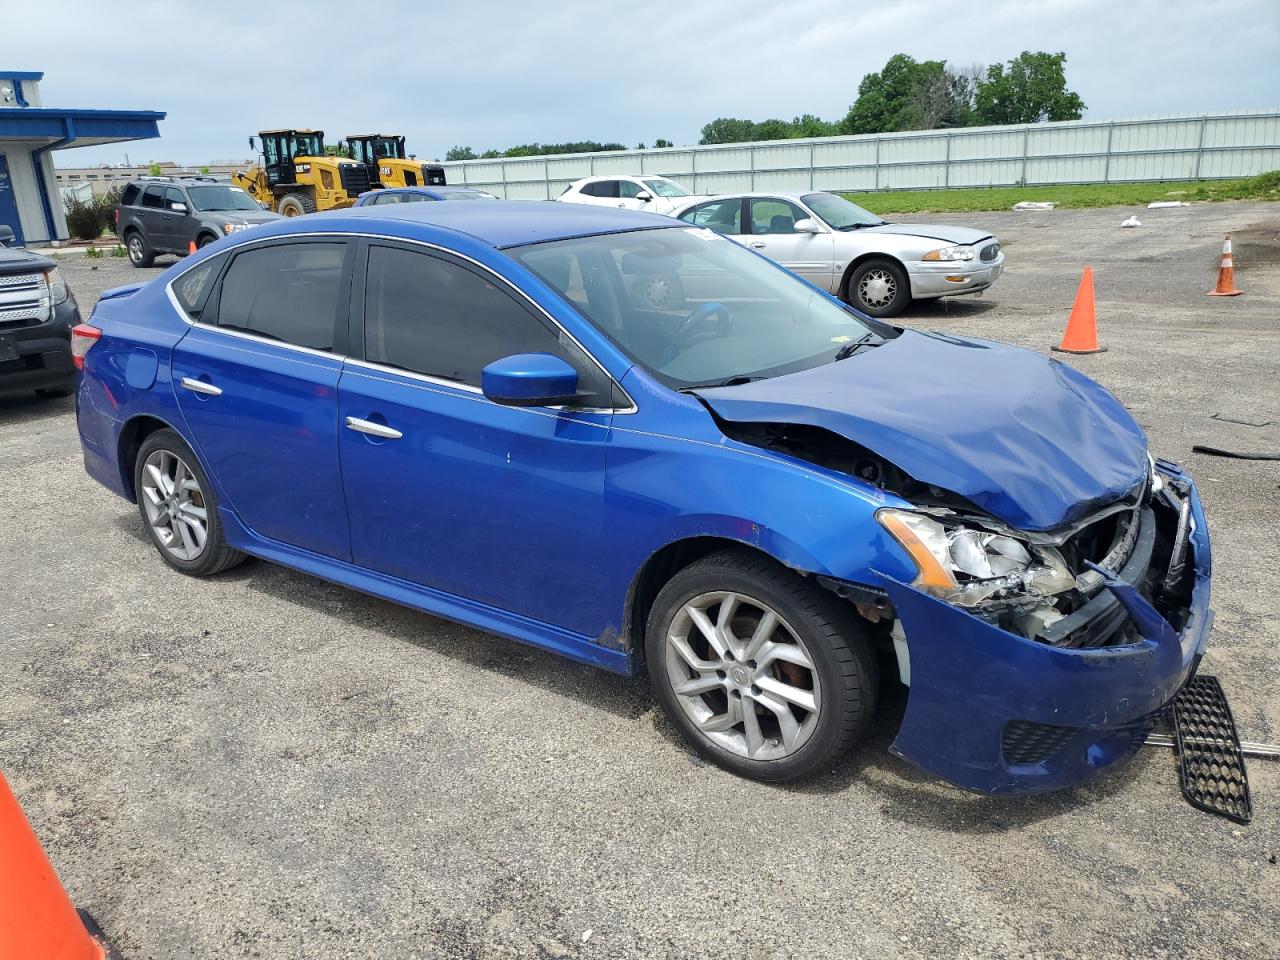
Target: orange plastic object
<point>1226,273</point>
<point>37,918</point>
<point>1081,335</point>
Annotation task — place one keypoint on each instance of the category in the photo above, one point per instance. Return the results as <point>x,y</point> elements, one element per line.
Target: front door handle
<point>373,429</point>
<point>200,386</point>
<point>758,244</point>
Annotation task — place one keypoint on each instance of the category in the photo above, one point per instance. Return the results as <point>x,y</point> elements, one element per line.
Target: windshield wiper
<point>729,382</point>
<point>853,346</point>
<point>862,226</point>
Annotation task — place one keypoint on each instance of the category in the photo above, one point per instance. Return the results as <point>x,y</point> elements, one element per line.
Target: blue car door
<point>446,489</point>
<point>257,377</point>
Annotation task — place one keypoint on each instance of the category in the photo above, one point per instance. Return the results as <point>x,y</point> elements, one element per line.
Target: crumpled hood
<point>1028,439</point>
<point>934,231</point>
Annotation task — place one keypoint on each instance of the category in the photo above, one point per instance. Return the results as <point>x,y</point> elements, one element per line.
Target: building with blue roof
<point>30,132</point>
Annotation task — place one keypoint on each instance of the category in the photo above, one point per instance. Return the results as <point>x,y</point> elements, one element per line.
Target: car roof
<point>616,176</point>
<point>797,195</point>
<point>441,188</point>
<point>502,223</point>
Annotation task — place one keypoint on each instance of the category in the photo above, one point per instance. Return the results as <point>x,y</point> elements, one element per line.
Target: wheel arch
<point>658,570</point>
<point>842,291</point>
<point>132,435</point>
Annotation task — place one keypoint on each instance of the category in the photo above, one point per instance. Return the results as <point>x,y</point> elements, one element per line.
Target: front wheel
<point>763,672</point>
<point>879,287</point>
<point>295,205</point>
<point>178,507</point>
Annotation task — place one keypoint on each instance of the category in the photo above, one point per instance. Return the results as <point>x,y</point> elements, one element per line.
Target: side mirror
<point>6,235</point>
<point>807,225</point>
<point>176,207</point>
<point>644,195</point>
<point>253,143</point>
<point>529,380</point>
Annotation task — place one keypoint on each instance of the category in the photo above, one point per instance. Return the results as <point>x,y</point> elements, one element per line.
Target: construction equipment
<point>296,175</point>
<point>383,156</point>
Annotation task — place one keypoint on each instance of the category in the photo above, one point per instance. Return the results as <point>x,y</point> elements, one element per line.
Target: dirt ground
<point>266,765</point>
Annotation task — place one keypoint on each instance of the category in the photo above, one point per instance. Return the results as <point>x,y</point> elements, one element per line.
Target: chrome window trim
<point>334,355</point>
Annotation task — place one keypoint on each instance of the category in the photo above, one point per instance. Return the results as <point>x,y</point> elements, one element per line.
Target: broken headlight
<point>967,565</point>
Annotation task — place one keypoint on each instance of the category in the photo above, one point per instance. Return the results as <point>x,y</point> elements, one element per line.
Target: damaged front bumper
<point>995,712</point>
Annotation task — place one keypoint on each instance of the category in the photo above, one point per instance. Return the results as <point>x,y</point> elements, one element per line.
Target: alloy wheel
<point>743,676</point>
<point>135,248</point>
<point>175,505</point>
<point>877,288</point>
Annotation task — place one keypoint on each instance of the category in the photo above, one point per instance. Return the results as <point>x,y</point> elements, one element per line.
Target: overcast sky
<point>490,74</point>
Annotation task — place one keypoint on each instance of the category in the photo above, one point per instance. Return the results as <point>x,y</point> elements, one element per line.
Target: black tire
<point>295,205</point>
<point>878,273</point>
<point>846,668</point>
<point>204,240</point>
<point>55,393</point>
<point>140,252</point>
<point>217,555</point>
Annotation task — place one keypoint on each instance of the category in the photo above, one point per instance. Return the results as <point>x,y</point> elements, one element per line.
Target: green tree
<point>728,130</point>
<point>663,143</point>
<point>154,169</point>
<point>1030,89</point>
<point>491,155</point>
<point>886,100</point>
<point>460,153</point>
<point>807,125</point>
<point>335,150</point>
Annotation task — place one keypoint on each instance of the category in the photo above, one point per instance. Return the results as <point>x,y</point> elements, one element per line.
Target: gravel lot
<point>265,765</point>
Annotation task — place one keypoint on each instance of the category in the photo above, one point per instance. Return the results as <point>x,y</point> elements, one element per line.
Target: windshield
<point>221,198</point>
<point>839,212</point>
<point>694,308</point>
<point>466,195</point>
<point>389,147</point>
<point>666,188</point>
<point>308,145</point>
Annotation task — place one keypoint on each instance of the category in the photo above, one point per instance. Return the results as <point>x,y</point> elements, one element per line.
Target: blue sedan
<point>378,198</point>
<point>638,444</point>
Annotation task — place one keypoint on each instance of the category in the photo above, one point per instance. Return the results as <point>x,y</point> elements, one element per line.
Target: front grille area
<point>989,252</point>
<point>1027,742</point>
<point>24,300</point>
<point>355,178</point>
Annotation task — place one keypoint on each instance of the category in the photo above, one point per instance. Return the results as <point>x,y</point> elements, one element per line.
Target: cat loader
<point>383,156</point>
<point>296,175</point>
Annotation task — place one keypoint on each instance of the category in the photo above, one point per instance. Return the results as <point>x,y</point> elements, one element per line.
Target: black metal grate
<point>1027,742</point>
<point>1210,763</point>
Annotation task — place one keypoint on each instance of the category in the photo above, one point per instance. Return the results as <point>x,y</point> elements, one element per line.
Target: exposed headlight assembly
<point>57,287</point>
<point>967,565</point>
<point>958,252</point>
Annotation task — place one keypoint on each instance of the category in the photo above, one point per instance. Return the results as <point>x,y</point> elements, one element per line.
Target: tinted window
<point>774,216</point>
<point>173,195</point>
<point>438,318</point>
<point>130,195</point>
<point>601,188</point>
<point>153,198</point>
<point>722,216</point>
<point>192,288</point>
<point>628,189</point>
<point>285,292</point>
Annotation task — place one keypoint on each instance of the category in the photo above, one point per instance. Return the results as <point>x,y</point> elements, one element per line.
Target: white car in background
<point>650,194</point>
<point>875,266</point>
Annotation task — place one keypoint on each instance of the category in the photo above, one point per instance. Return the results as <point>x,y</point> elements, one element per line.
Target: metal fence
<point>1189,147</point>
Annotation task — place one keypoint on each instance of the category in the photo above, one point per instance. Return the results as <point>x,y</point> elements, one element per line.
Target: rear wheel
<point>178,507</point>
<point>879,287</point>
<point>140,254</point>
<point>763,672</point>
<point>295,205</point>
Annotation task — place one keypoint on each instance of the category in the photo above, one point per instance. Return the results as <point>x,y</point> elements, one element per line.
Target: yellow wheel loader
<point>295,175</point>
<point>383,156</point>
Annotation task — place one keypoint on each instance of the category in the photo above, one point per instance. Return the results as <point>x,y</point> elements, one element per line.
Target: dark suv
<point>167,214</point>
<point>37,312</point>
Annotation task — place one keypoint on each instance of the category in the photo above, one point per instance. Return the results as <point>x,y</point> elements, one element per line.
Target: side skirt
<point>470,613</point>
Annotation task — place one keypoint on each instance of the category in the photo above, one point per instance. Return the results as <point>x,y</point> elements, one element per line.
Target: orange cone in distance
<point>1081,335</point>
<point>191,249</point>
<point>1226,273</point>
<point>37,919</point>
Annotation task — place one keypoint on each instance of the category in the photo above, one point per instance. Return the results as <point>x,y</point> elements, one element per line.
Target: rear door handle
<point>373,429</point>
<point>200,386</point>
<point>758,244</point>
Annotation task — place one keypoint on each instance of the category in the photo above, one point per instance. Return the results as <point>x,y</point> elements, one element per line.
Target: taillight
<point>83,337</point>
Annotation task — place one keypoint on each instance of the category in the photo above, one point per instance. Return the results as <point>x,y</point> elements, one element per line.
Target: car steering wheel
<point>686,337</point>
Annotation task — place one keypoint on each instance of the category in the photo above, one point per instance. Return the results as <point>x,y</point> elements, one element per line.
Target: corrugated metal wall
<point>1236,144</point>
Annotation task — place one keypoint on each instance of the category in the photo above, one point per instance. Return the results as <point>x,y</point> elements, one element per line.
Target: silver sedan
<point>876,266</point>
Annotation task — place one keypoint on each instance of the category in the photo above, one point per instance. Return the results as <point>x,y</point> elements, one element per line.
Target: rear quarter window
<point>130,195</point>
<point>192,288</point>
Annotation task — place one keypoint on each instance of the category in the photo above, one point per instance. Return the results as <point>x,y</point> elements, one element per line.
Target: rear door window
<point>288,292</point>
<point>153,198</point>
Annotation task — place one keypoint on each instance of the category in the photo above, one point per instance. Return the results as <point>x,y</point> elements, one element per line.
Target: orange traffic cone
<point>1081,335</point>
<point>191,248</point>
<point>37,919</point>
<point>1226,273</point>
